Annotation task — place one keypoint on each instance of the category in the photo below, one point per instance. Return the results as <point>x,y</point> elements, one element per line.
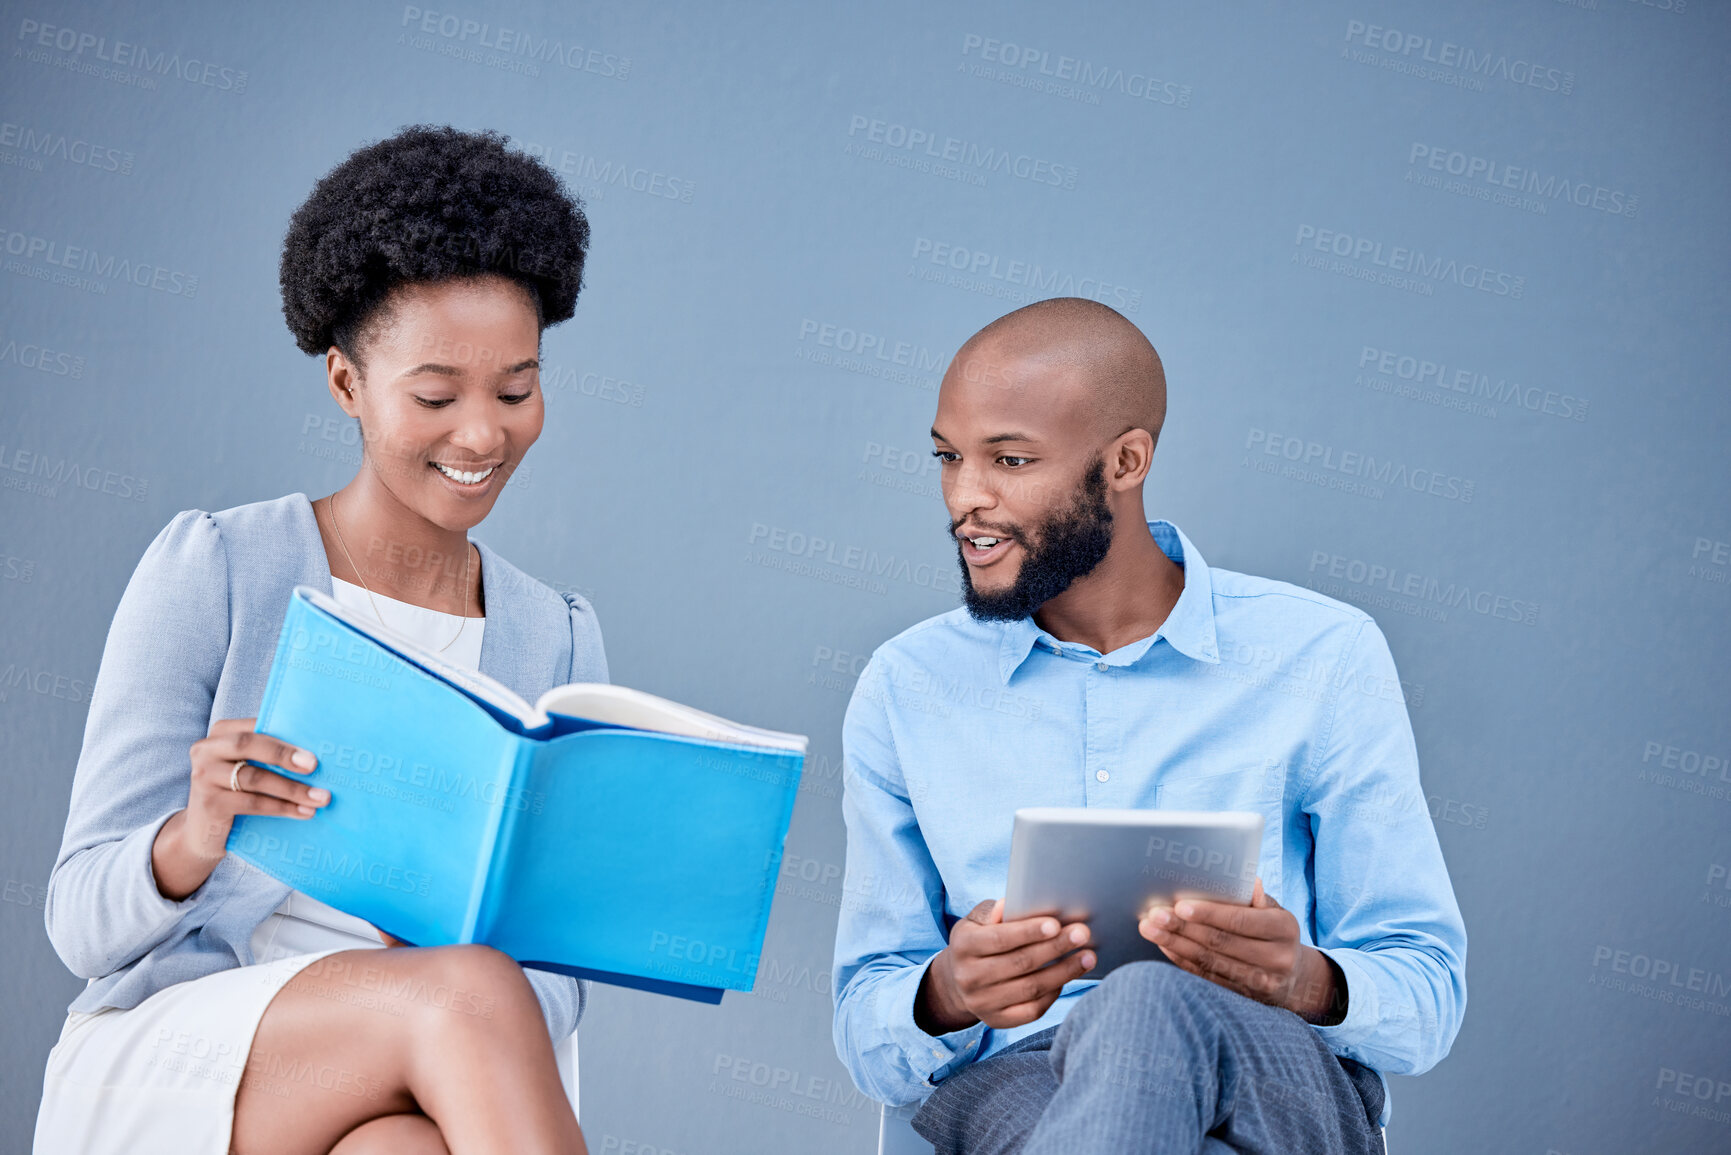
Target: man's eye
<point>515,398</point>
<point>1013,462</point>
<point>435,402</point>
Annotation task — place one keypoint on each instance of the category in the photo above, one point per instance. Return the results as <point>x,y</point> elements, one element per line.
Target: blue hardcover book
<point>600,832</point>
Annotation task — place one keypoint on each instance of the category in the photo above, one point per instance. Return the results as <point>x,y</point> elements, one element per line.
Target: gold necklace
<point>462,619</point>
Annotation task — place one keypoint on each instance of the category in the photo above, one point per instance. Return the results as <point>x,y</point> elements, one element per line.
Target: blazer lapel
<point>315,567</point>
<point>527,640</point>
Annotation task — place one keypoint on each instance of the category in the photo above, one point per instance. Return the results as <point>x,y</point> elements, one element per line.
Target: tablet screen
<point>1109,867</point>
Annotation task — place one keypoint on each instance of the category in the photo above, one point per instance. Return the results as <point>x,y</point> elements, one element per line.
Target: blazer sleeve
<point>588,657</point>
<point>152,700</point>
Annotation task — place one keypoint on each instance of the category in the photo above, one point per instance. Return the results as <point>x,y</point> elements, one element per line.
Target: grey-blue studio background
<point>1440,293</point>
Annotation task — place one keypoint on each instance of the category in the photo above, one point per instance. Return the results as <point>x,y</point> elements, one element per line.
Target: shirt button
<point>1101,776</point>
<point>1101,666</point>
<point>936,1053</point>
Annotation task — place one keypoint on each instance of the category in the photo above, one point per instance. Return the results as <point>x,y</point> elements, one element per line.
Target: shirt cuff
<point>1363,1015</point>
<point>1362,1010</point>
<point>931,1057</point>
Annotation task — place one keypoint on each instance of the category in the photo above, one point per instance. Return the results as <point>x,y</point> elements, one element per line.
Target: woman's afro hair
<point>428,204</point>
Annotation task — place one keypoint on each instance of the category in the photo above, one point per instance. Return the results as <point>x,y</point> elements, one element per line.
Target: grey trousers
<point>1155,1059</point>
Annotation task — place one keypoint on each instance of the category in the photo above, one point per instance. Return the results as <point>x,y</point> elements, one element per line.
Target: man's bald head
<point>1123,382</point>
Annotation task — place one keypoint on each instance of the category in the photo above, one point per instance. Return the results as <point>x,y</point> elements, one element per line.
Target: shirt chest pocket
<point>1245,786</point>
<point>1254,786</point>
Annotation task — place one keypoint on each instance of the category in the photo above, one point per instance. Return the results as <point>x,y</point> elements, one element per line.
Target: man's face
<point>1023,481</point>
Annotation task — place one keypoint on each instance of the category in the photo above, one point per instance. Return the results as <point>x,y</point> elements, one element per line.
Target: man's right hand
<point>1003,974</point>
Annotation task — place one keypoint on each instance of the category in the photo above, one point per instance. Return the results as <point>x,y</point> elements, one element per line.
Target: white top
<point>302,923</point>
<point>432,629</point>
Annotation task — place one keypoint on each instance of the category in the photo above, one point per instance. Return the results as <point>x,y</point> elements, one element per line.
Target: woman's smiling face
<point>448,394</point>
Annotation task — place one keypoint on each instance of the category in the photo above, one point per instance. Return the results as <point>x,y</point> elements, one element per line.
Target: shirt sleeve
<point>152,700</point>
<point>892,917</point>
<point>1384,909</point>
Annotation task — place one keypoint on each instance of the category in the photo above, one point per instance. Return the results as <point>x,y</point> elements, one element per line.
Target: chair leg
<point>565,1052</point>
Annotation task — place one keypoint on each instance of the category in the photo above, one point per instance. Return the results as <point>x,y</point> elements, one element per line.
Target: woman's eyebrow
<point>443,370</point>
<point>432,367</point>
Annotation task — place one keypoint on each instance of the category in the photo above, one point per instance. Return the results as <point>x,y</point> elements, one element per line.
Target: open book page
<point>472,682</point>
<point>622,706</point>
<point>596,701</point>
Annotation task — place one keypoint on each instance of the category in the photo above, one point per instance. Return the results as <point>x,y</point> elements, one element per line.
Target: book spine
<point>494,853</point>
<point>790,796</point>
<point>265,721</point>
<point>279,663</point>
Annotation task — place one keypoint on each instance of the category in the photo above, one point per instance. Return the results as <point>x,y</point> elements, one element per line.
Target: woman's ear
<point>343,377</point>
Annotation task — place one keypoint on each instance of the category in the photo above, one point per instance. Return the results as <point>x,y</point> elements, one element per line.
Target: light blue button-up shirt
<point>1253,695</point>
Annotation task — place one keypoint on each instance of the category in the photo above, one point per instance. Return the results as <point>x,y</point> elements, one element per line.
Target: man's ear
<point>342,376</point>
<point>1128,459</point>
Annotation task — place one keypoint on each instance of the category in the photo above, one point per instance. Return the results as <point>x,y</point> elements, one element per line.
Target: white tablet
<point>1107,867</point>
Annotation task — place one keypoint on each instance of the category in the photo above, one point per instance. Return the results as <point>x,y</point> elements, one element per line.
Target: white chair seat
<point>896,1134</point>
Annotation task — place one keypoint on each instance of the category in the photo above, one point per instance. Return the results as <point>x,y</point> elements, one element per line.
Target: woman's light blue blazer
<point>192,643</point>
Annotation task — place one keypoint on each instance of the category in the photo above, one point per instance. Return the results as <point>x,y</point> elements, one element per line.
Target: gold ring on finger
<point>234,777</point>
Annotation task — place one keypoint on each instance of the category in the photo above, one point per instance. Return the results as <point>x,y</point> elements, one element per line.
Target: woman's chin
<point>456,506</point>
<point>460,518</point>
<point>454,515</point>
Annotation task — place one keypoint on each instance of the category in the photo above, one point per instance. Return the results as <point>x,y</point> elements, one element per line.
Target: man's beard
<point>1069,545</point>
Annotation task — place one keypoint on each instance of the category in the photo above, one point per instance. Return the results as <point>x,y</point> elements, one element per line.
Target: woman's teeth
<point>465,478</point>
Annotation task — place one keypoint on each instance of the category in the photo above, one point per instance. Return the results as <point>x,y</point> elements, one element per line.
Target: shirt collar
<point>1189,628</point>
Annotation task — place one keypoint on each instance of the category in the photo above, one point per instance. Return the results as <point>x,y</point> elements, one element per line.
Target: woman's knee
<point>473,982</point>
<point>394,1135</point>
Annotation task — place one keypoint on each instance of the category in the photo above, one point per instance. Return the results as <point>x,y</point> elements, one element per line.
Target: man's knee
<point>1145,1004</point>
<point>1148,984</point>
<point>1144,992</point>
<point>1129,1033</point>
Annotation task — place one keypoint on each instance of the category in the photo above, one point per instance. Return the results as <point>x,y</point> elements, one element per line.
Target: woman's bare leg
<point>454,1033</point>
<point>394,1135</point>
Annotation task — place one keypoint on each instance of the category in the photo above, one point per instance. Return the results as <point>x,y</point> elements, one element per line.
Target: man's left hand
<point>1253,950</point>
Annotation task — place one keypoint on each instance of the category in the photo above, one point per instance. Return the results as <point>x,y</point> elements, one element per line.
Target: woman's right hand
<point>193,841</point>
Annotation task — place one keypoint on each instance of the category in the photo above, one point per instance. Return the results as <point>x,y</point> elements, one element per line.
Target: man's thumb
<point>987,912</point>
